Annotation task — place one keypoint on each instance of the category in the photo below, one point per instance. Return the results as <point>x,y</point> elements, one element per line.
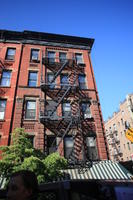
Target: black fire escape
<point>54,93</point>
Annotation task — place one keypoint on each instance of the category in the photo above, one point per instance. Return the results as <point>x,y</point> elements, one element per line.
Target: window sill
<point>35,61</point>
<point>2,86</point>
<point>9,61</point>
<point>30,120</point>
<point>2,120</point>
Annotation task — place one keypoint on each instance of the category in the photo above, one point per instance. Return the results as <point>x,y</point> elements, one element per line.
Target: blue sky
<point>109,22</point>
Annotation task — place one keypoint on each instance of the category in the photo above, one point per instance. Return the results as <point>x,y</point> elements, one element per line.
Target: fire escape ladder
<point>63,135</point>
<point>59,71</point>
<point>60,100</point>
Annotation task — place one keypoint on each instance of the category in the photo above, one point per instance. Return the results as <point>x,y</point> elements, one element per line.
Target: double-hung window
<point>34,54</point>
<point>32,81</point>
<point>50,82</point>
<point>68,146</point>
<point>82,81</point>
<point>62,57</point>
<point>5,79</point>
<point>51,56</point>
<point>2,108</point>
<point>64,80</point>
<point>86,110</point>
<point>66,109</point>
<point>10,54</point>
<point>79,58</point>
<point>30,109</point>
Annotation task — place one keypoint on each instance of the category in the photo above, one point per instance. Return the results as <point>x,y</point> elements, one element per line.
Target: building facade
<point>48,88</point>
<point>120,148</point>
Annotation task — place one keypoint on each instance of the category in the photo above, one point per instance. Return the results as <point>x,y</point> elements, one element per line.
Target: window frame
<point>36,59</point>
<point>8,56</point>
<point>68,150</point>
<point>80,61</point>
<point>4,109</point>
<point>32,80</point>
<point>82,85</point>
<point>66,113</point>
<point>87,112</point>
<point>51,59</point>
<point>6,78</point>
<point>26,109</point>
<point>62,59</point>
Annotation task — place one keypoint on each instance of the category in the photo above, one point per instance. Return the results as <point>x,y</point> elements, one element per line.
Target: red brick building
<point>48,87</point>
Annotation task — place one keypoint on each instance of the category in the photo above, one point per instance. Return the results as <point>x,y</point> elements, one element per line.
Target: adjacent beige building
<point>119,147</point>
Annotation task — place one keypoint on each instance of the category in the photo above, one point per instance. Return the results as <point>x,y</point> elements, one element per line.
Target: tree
<point>21,155</point>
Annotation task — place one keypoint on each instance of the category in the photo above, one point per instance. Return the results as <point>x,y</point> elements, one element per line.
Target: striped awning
<point>106,170</point>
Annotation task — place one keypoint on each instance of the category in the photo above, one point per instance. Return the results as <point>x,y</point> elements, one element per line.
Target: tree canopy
<point>21,155</point>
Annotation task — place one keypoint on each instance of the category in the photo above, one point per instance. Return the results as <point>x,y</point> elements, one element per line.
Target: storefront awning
<point>106,170</point>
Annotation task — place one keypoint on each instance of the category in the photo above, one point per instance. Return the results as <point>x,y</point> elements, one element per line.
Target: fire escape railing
<point>58,124</point>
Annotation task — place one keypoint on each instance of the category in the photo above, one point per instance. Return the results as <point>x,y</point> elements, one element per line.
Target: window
<point>51,56</point>
<point>82,81</point>
<point>51,144</point>
<point>92,149</point>
<point>50,78</point>
<point>64,79</point>
<point>10,54</point>
<point>34,54</point>
<point>68,146</point>
<point>5,80</point>
<point>32,81</point>
<point>79,58</point>
<point>30,109</point>
<point>66,109</point>
<point>85,107</point>
<point>62,57</point>
<point>2,108</point>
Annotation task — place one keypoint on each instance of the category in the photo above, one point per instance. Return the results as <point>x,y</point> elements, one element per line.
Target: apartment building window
<point>92,149</point>
<point>5,79</point>
<point>31,139</point>
<point>51,56</point>
<point>30,109</point>
<point>51,144</point>
<point>34,54</point>
<point>68,146</point>
<point>79,58</point>
<point>62,57</point>
<point>10,54</point>
<point>2,108</point>
<point>64,79</point>
<point>85,107</point>
<point>82,81</point>
<point>50,78</point>
<point>32,80</point>
<point>66,109</point>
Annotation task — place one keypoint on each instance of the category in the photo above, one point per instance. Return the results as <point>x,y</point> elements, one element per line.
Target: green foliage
<point>53,164</point>
<point>20,155</point>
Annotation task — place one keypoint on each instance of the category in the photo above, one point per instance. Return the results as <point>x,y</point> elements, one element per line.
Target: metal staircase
<point>60,123</point>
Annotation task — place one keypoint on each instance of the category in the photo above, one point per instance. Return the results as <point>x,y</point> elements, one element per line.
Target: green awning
<point>105,170</point>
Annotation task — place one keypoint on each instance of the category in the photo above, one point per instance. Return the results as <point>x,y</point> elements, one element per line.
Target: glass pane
<point>33,75</point>
<point>79,58</point>
<point>64,79</point>
<point>62,57</point>
<point>5,81</point>
<point>2,108</point>
<point>32,83</point>
<point>35,54</point>
<point>11,52</point>
<point>31,104</point>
